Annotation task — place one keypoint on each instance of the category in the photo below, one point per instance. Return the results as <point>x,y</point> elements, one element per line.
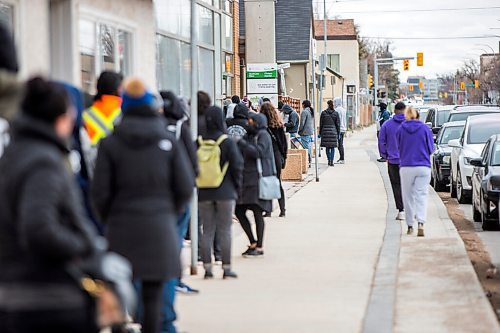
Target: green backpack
<point>211,174</point>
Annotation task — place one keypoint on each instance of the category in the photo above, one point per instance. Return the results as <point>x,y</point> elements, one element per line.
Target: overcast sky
<point>440,56</point>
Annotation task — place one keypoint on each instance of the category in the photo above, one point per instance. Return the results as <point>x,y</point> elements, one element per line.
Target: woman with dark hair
<point>256,144</point>
<point>329,129</point>
<point>43,229</point>
<point>276,129</point>
<point>143,181</point>
<point>306,127</point>
<point>204,102</point>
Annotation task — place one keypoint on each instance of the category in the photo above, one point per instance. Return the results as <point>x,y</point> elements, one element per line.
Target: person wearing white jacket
<point>337,105</point>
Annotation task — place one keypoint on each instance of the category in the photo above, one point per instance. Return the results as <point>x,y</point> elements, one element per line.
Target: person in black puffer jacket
<point>329,129</point>
<point>143,181</point>
<point>280,147</point>
<point>217,204</point>
<point>43,228</point>
<point>256,144</point>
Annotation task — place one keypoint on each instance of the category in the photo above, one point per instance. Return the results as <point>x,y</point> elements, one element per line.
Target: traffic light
<point>420,84</point>
<point>420,59</point>
<point>406,65</point>
<point>476,84</point>
<point>410,87</point>
<point>462,85</point>
<point>370,81</point>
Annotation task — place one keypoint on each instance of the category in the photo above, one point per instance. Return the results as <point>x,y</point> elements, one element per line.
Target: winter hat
<point>45,100</point>
<point>8,56</point>
<point>136,94</point>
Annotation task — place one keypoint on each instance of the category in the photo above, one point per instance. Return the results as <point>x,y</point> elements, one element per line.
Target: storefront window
<point>103,47</point>
<point>206,72</point>
<point>227,6</point>
<point>7,15</point>
<point>206,25</point>
<point>227,32</point>
<point>174,16</point>
<point>171,76</point>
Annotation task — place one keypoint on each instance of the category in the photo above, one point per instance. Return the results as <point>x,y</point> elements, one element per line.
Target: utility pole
<point>194,133</point>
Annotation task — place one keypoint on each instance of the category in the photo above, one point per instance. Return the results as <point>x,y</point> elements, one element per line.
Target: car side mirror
<point>435,130</point>
<point>429,124</point>
<point>455,143</point>
<point>477,162</point>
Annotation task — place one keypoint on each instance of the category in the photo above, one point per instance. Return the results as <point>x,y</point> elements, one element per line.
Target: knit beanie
<point>8,57</point>
<point>135,94</point>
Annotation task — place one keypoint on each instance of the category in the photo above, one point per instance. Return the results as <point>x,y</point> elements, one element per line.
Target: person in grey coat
<point>143,180</point>
<point>257,143</point>
<point>306,127</point>
<point>329,129</point>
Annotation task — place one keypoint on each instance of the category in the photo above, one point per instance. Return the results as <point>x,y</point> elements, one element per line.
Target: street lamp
<point>486,46</point>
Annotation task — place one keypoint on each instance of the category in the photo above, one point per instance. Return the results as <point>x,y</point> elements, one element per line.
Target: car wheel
<point>476,214</point>
<point>438,186</point>
<point>461,197</point>
<point>488,224</point>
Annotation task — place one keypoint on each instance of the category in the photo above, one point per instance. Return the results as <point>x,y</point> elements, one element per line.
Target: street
<point>341,263</point>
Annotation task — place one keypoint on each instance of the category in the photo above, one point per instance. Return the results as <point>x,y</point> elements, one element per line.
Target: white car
<point>478,129</point>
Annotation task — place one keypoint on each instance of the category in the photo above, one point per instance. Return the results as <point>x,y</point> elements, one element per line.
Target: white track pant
<point>415,187</point>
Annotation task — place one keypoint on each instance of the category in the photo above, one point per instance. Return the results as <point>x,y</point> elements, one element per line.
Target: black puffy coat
<point>231,185</point>
<point>329,128</point>
<point>256,144</point>
<point>43,228</point>
<point>280,147</point>
<point>143,180</point>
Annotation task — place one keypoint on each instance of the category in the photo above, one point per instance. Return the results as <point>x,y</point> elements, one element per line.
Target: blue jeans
<point>306,143</point>
<point>330,153</point>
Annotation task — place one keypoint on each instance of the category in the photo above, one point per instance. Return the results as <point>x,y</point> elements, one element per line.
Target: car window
<point>464,115</point>
<point>481,132</point>
<point>423,114</point>
<point>450,133</point>
<point>442,117</point>
<point>495,154</point>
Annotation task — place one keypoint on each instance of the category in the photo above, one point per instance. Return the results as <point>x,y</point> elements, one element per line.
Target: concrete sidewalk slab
<point>318,268</point>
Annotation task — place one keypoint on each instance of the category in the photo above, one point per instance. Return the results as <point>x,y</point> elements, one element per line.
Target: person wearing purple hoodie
<point>388,148</point>
<point>415,145</point>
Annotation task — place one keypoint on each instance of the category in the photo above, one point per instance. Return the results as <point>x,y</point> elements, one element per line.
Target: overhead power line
<point>436,38</point>
<point>417,10</point>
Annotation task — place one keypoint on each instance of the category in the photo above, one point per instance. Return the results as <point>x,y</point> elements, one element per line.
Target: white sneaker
<point>401,216</point>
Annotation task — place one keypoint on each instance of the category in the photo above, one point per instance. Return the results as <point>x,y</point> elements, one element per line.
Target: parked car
<point>486,185</point>
<point>441,157</point>
<point>423,110</point>
<point>437,116</point>
<point>464,112</point>
<point>477,130</point>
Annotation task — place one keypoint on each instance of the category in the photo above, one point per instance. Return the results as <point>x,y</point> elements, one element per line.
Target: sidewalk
<point>324,260</point>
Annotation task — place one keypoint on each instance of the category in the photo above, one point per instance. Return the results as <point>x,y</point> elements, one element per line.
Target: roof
<point>336,29</point>
<point>294,19</point>
<point>459,123</point>
<point>293,24</point>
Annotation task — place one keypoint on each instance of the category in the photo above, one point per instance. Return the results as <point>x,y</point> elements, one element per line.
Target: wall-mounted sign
<point>262,81</point>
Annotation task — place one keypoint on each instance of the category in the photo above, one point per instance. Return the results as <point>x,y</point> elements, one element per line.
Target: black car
<point>437,116</point>
<point>486,185</point>
<point>442,154</point>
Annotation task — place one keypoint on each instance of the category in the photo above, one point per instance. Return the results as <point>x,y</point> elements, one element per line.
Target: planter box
<point>293,169</point>
<point>303,154</point>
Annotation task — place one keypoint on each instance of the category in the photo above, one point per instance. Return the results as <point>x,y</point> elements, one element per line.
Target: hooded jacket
<point>329,128</point>
<point>292,125</point>
<point>231,185</point>
<point>142,181</point>
<point>256,144</point>
<point>415,144</point>
<point>174,113</point>
<point>387,140</point>
<point>306,126</point>
<point>337,106</point>
<point>240,117</point>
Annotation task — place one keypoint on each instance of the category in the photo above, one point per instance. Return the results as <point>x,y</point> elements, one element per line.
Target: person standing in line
<point>291,118</point>
<point>329,129</point>
<point>217,203</point>
<point>257,144</point>
<point>44,232</point>
<point>383,116</point>
<point>388,147</point>
<point>337,105</point>
<point>143,180</point>
<point>306,127</point>
<point>278,137</point>
<point>235,100</point>
<point>415,145</point>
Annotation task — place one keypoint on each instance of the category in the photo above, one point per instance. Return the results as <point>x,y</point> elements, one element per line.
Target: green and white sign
<point>262,81</point>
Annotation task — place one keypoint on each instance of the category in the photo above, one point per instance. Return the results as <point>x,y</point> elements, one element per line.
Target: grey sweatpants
<point>216,215</point>
<point>415,187</point>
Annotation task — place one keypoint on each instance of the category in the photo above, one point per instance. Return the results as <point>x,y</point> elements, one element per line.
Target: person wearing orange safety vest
<point>100,119</point>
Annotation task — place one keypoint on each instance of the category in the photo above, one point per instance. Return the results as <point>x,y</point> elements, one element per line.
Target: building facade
<point>75,40</point>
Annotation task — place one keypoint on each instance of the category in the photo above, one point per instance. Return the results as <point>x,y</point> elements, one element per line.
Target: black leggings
<point>152,301</point>
<point>245,223</point>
